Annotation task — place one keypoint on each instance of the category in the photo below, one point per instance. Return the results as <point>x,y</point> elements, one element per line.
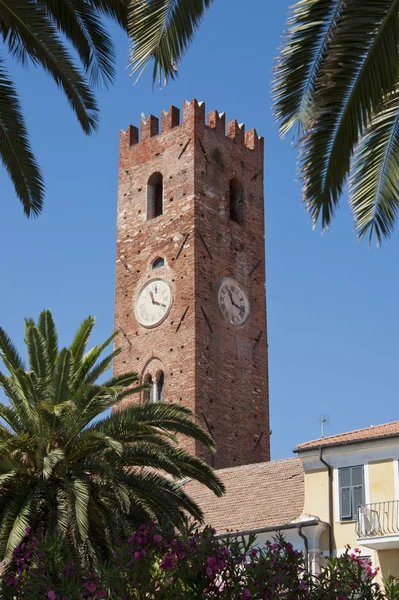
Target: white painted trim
<point>395,464</point>
<point>366,479</point>
<point>352,454</point>
<point>336,506</point>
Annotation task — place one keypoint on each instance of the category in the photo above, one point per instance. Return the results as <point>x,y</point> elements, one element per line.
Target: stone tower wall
<point>218,371</point>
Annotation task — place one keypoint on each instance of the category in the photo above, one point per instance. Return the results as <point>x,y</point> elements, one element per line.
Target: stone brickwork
<point>217,370</point>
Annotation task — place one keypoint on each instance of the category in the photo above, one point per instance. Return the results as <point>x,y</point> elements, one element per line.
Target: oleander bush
<point>190,565</point>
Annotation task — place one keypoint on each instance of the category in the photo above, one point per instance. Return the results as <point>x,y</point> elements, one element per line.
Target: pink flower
<point>101,594</point>
<point>157,538</point>
<point>52,595</point>
<point>246,593</point>
<point>211,561</point>
<point>91,586</point>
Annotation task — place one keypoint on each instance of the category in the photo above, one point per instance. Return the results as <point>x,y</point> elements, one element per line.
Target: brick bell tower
<point>190,274</point>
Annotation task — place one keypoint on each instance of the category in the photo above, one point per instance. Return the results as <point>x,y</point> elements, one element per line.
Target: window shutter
<point>346,509</point>
<point>351,491</point>
<point>357,498</point>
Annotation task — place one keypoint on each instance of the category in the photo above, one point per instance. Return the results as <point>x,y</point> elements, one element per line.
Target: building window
<point>154,393</point>
<point>236,201</point>
<point>160,385</point>
<point>158,262</point>
<point>155,196</point>
<point>351,492</point>
<point>149,393</point>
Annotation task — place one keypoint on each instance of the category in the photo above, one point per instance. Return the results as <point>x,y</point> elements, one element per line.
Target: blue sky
<point>332,303</point>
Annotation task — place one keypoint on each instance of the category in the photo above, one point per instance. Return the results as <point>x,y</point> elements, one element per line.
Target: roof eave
<point>298,449</point>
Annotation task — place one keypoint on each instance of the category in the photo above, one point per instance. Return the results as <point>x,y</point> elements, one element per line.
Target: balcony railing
<point>378,519</point>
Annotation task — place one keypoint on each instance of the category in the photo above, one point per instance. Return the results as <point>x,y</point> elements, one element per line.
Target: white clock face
<point>153,302</point>
<point>233,302</point>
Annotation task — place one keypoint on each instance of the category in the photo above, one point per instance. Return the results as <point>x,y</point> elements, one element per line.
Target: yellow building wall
<point>388,562</point>
<point>382,485</point>
<point>382,488</point>
<point>316,494</point>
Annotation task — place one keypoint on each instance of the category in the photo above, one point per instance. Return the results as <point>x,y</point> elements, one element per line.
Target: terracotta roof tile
<point>358,435</point>
<point>259,495</point>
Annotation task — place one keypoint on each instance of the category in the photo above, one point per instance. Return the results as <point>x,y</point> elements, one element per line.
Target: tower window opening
<point>155,196</point>
<point>149,393</point>
<point>236,201</point>
<point>158,262</point>
<point>160,386</point>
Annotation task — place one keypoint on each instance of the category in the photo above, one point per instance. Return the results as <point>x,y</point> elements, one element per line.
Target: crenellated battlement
<point>193,113</point>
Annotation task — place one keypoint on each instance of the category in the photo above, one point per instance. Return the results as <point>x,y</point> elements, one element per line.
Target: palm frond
<point>8,352</point>
<point>172,418</point>
<point>48,330</point>
<point>360,67</point>
<point>162,30</point>
<point>15,151</point>
<point>374,178</point>
<point>38,358</point>
<point>63,371</point>
<point>84,29</point>
<point>101,367</point>
<point>78,346</point>
<point>29,23</point>
<point>309,28</point>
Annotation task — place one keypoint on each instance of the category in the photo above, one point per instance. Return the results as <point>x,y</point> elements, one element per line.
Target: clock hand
<point>152,298</point>
<point>233,303</point>
<point>159,303</point>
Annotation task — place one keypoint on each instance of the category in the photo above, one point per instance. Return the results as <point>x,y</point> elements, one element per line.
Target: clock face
<point>153,302</point>
<point>233,302</point>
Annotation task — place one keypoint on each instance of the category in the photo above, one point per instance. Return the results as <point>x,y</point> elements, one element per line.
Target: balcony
<point>377,525</point>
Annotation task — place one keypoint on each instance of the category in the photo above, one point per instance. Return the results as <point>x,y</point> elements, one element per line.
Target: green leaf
<point>309,28</point>
<point>35,31</point>
<point>51,460</point>
<point>38,358</point>
<point>80,340</point>
<point>48,330</point>
<point>63,371</point>
<point>9,354</point>
<point>15,150</point>
<point>374,179</point>
<point>360,67</point>
<point>162,31</point>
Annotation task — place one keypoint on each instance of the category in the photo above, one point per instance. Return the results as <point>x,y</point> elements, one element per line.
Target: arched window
<point>149,393</point>
<point>236,201</point>
<point>160,384</point>
<point>158,262</point>
<point>155,196</point>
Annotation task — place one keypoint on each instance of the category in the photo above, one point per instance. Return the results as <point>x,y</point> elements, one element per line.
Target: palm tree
<point>337,83</point>
<point>41,32</point>
<point>68,470</point>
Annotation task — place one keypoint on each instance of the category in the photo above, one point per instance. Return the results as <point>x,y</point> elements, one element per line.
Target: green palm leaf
<point>336,78</point>
<point>162,30</point>
<point>357,80</point>
<point>43,33</point>
<point>374,179</point>
<point>309,29</point>
<point>31,26</point>
<point>47,328</point>
<point>15,150</point>
<point>38,358</point>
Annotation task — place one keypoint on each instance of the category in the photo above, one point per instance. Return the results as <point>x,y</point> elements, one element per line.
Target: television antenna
<point>324,420</point>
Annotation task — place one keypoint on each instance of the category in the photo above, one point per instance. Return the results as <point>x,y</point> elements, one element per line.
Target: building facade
<point>352,483</point>
<point>190,274</point>
<point>340,490</point>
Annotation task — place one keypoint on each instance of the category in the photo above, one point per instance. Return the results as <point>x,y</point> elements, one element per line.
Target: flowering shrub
<point>161,565</point>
